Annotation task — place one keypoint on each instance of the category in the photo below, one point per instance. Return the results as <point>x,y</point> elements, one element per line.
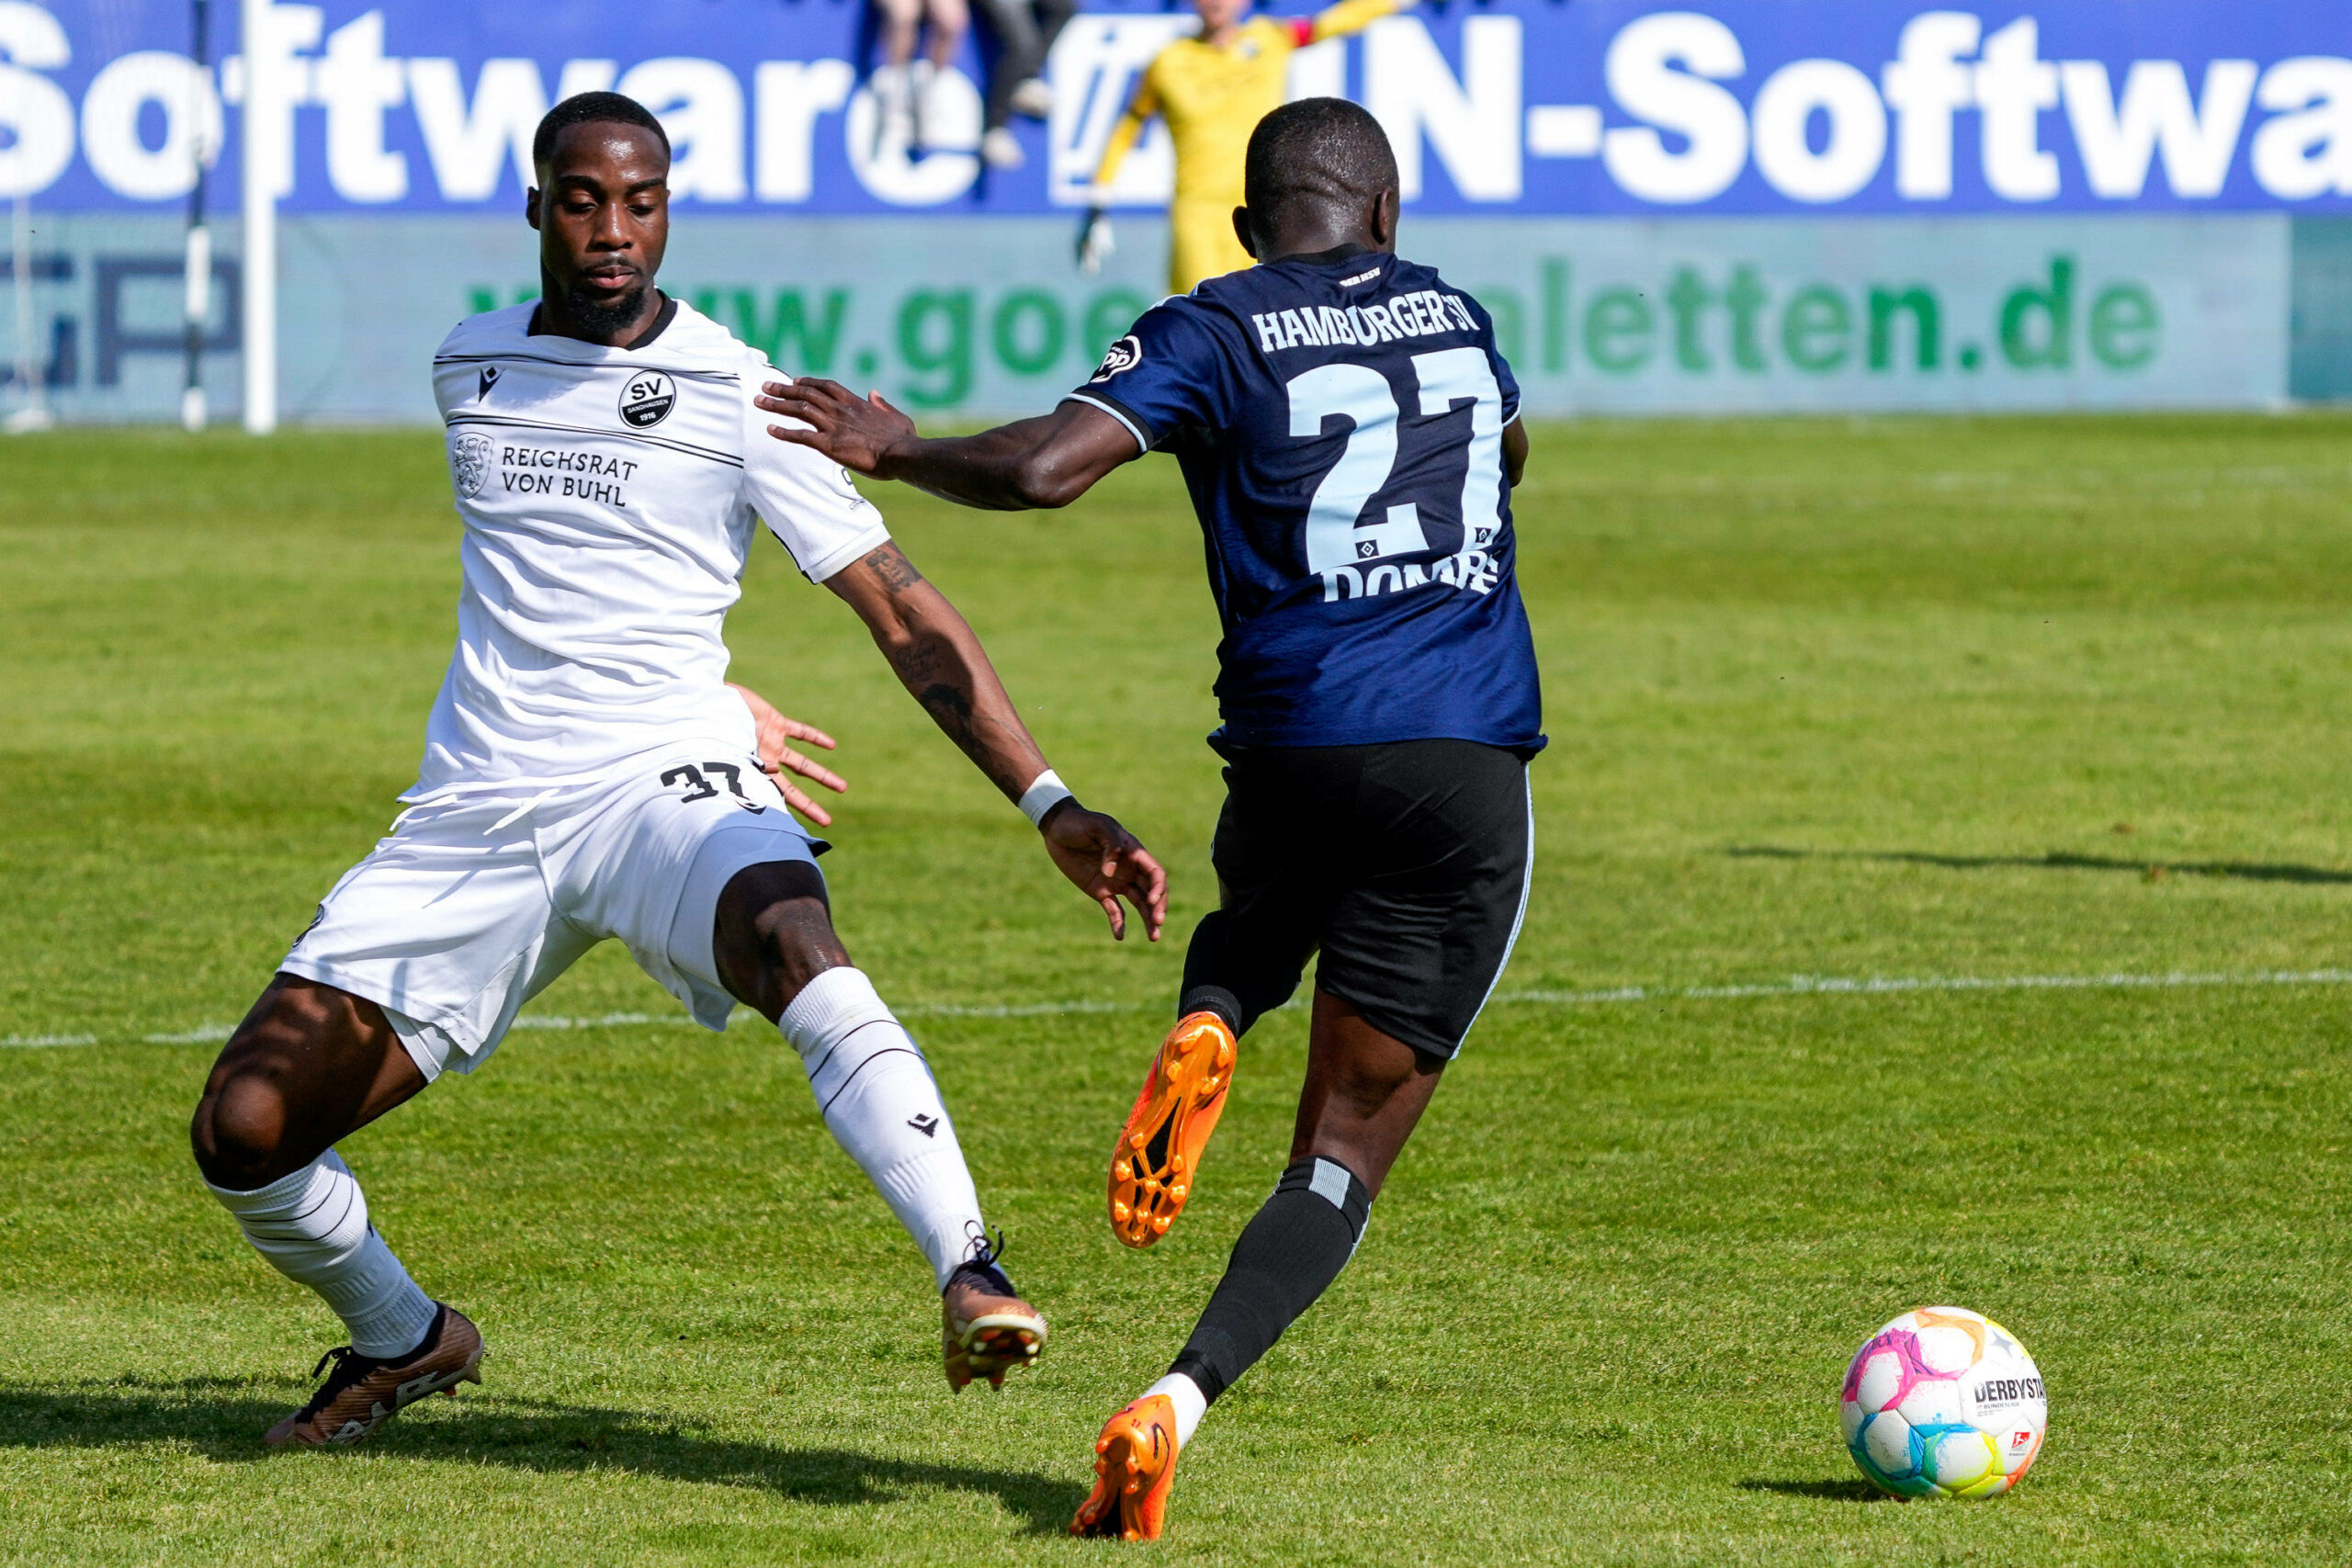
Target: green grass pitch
<point>1891,699</point>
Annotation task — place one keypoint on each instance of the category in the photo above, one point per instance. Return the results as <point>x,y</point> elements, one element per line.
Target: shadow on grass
<point>223,1419</point>
<point>1828,1491</point>
<point>2245,871</point>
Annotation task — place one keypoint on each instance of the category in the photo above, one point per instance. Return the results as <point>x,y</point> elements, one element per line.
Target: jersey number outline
<point>1335,537</point>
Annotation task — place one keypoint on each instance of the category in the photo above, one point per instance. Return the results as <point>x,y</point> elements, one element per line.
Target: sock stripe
<point>831,1051</point>
<point>886,1051</point>
<point>1335,1184</point>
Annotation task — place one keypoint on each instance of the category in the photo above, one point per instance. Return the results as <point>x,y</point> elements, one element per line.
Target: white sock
<point>313,1227</point>
<point>1190,1402</point>
<point>879,1102</point>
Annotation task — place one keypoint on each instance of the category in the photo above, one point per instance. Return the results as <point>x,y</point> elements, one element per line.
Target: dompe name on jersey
<point>1424,313</point>
<point>1471,569</point>
<point>590,476</point>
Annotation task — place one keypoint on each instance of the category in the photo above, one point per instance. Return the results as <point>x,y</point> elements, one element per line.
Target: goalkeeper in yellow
<point>1212,88</point>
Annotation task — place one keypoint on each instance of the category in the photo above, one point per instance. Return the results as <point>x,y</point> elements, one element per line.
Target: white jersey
<point>610,497</point>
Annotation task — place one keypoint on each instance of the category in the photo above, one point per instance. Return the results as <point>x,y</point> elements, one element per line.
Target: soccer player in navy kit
<point>1350,435</point>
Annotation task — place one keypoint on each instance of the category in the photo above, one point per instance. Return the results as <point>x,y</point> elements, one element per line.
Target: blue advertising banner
<point>1600,107</point>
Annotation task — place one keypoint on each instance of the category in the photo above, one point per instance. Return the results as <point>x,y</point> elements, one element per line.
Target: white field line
<point>1796,985</point>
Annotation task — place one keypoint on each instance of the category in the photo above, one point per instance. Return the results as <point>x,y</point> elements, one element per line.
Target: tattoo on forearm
<point>932,672</point>
<point>891,567</point>
<point>952,710</point>
<point>937,677</point>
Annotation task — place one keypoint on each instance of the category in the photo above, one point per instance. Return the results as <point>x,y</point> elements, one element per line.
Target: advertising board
<point>1843,204</point>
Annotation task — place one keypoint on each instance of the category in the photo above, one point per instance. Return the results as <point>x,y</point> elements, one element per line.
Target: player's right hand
<point>1107,863</point>
<point>852,430</point>
<point>1095,241</point>
<point>776,732</point>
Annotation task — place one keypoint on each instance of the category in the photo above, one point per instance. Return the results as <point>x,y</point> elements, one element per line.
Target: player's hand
<point>1107,863</point>
<point>776,755</point>
<point>852,430</point>
<point>1095,241</point>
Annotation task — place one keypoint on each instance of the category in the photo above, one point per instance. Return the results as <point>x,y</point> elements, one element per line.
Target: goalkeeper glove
<point>1094,242</point>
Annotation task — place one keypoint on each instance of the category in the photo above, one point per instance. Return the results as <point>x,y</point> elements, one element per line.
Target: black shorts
<point>1406,863</point>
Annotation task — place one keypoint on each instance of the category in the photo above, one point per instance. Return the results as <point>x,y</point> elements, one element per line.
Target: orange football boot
<point>1135,1468</point>
<point>1159,1153</point>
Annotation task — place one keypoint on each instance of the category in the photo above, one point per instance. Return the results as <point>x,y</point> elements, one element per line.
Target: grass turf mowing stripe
<point>1797,986</point>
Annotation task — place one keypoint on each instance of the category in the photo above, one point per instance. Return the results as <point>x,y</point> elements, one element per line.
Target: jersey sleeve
<point>1175,368</point>
<point>806,500</point>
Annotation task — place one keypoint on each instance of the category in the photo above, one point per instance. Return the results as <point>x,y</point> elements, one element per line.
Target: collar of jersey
<point>1338,255</point>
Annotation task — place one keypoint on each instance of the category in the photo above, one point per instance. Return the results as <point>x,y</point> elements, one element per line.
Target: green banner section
<point>976,318</point>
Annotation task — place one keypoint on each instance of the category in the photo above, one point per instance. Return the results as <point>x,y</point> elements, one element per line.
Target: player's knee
<point>238,1131</point>
<point>774,933</point>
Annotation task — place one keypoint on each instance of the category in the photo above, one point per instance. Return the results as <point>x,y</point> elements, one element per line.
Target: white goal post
<point>265,124</point>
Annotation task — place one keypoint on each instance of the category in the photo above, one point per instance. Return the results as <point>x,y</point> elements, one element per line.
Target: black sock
<point>1211,999</point>
<point>1287,1256</point>
<point>1238,983</point>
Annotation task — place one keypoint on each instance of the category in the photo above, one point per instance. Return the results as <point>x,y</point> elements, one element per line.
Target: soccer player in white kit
<point>589,773</point>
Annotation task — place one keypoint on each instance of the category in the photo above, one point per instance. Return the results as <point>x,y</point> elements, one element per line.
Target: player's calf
<point>310,1065</point>
<point>1288,1255</point>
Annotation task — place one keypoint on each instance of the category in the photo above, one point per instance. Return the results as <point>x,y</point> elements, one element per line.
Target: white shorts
<point>471,907</point>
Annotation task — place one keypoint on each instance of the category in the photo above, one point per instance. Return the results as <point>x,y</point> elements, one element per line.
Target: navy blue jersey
<point>1339,424</point>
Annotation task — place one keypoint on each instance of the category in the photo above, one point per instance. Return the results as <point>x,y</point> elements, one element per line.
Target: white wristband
<point>1044,792</point>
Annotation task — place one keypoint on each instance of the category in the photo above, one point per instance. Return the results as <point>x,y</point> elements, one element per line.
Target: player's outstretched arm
<point>1350,17</point>
<point>940,660</point>
<point>777,734</point>
<point>1044,462</point>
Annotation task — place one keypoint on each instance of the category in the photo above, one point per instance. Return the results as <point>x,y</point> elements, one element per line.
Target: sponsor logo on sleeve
<point>470,462</point>
<point>489,379</point>
<point>647,399</point>
<point>1125,354</point>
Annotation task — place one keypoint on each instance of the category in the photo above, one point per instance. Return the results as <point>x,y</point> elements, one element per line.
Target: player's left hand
<point>852,430</point>
<point>1106,862</point>
<point>776,755</point>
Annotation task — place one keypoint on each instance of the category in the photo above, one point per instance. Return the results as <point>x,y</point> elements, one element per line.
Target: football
<point>1943,1403</point>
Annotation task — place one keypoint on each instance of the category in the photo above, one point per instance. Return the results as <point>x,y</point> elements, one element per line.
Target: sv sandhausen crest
<point>1124,355</point>
<point>470,462</point>
<point>647,399</point>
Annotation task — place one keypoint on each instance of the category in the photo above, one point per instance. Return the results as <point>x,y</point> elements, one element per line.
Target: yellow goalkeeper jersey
<point>1212,99</point>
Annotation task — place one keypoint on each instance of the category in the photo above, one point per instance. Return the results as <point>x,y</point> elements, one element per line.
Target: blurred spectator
<point>903,84</point>
<point>1025,30</point>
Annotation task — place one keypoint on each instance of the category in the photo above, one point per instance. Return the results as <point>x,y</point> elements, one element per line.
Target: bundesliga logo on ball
<point>1943,1403</point>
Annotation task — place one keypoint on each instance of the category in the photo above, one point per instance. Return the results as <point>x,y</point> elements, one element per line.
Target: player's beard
<point>602,314</point>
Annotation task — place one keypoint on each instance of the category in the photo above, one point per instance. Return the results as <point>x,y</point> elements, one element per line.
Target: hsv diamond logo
<point>647,399</point>
<point>1125,354</point>
<point>469,461</point>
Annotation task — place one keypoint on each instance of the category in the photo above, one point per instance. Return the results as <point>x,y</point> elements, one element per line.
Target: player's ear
<point>531,207</point>
<point>1241,231</point>
<point>1385,206</point>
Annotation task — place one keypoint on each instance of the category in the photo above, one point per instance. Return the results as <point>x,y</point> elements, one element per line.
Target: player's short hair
<point>1321,151</point>
<point>590,108</point>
